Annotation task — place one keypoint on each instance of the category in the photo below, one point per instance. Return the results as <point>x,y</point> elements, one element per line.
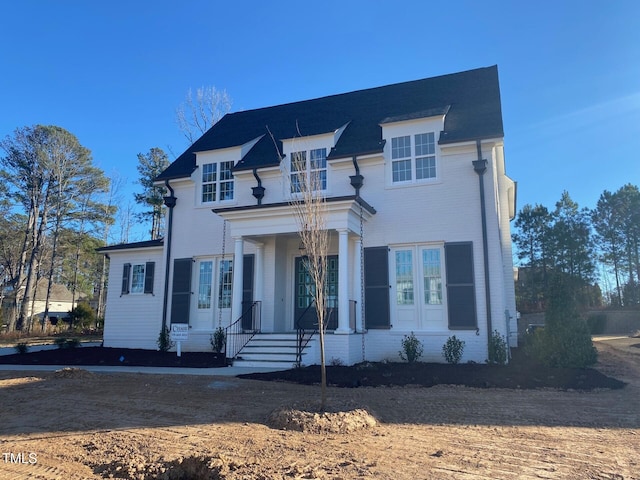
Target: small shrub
<point>67,342</point>
<point>336,362</point>
<point>498,349</point>
<point>452,350</point>
<point>218,340</point>
<point>412,348</point>
<point>164,340</point>
<point>566,339</point>
<point>82,316</point>
<point>21,348</point>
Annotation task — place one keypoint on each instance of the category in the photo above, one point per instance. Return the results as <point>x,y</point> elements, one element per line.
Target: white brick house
<point>419,210</point>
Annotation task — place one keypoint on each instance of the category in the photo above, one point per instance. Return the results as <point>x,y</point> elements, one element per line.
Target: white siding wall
<point>133,320</point>
<point>444,210</point>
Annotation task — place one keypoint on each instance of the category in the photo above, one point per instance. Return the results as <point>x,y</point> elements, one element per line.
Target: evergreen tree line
<point>54,212</point>
<point>580,245</point>
<point>57,207</point>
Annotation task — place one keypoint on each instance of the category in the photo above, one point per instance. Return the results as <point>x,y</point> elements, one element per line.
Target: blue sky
<point>114,72</point>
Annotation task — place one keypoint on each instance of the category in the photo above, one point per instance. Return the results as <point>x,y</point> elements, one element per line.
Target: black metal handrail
<point>303,335</point>
<point>237,336</point>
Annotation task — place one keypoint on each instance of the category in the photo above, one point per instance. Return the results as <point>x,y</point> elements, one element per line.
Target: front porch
<point>269,233</point>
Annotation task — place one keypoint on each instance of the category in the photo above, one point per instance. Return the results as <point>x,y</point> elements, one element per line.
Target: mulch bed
<point>521,373</point>
<point>114,356</point>
<point>430,374</point>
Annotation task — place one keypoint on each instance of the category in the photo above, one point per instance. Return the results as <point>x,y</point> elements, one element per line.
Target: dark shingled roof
<point>129,246</point>
<point>471,101</point>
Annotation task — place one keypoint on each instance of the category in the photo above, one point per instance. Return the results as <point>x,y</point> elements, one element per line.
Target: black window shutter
<point>126,273</point>
<point>181,292</point>
<point>376,287</point>
<point>149,270</point>
<point>461,297</point>
<point>247,291</point>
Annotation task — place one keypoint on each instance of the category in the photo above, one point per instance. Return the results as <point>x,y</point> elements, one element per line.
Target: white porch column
<point>357,283</point>
<point>343,282</point>
<point>236,294</point>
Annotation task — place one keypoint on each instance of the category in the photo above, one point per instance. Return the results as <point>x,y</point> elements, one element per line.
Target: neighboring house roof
<point>131,246</point>
<point>59,293</point>
<point>470,100</point>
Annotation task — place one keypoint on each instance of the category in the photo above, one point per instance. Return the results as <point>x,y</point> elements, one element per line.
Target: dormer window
<point>217,182</point>
<point>309,166</point>
<point>413,157</point>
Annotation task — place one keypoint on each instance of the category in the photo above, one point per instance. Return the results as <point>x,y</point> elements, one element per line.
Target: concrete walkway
<point>223,372</point>
<point>44,346</point>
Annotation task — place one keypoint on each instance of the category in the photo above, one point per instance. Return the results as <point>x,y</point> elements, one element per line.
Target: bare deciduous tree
<point>199,113</point>
<point>309,207</point>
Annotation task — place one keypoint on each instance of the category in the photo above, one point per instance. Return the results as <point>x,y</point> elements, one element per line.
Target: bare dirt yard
<point>81,425</point>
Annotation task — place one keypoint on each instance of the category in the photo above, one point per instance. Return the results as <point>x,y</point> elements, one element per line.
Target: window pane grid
<point>217,181</point>
<point>204,289</point>
<point>226,190</point>
<point>404,277</point>
<point>318,158</point>
<point>209,172</point>
<point>401,147</point>
<point>225,170</point>
<point>432,276</point>
<point>137,279</point>
<point>209,192</point>
<point>425,167</point>
<point>226,283</point>
<point>425,144</point>
<point>314,171</point>
<point>401,170</point>
<point>418,162</point>
<point>298,161</point>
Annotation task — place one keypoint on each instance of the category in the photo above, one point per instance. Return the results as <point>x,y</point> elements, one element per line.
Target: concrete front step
<point>276,350</point>
<point>276,365</point>
<point>256,354</point>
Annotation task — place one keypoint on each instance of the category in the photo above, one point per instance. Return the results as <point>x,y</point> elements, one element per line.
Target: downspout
<point>357,180</point>
<point>258,191</point>
<point>480,167</point>
<point>170,202</point>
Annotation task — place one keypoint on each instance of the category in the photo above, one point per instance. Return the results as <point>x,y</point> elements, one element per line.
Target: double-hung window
<point>413,157</point>
<point>226,284</point>
<point>137,278</point>
<point>309,170</point>
<point>217,182</point>
<point>205,283</point>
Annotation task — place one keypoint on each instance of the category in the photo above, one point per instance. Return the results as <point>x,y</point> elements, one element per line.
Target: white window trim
<point>144,272</point>
<point>307,170</point>
<point>217,182</point>
<point>414,181</point>
<point>418,286</point>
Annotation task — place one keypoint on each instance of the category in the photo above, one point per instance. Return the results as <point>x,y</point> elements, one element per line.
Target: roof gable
<point>470,100</point>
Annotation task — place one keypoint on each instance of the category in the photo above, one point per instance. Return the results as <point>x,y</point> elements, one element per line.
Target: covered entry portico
<point>272,230</point>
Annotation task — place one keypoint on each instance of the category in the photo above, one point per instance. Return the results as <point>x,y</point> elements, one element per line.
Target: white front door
<point>417,294</point>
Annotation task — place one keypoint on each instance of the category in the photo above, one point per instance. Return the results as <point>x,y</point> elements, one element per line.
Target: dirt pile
<point>72,373</point>
<point>310,418</point>
<point>189,468</point>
